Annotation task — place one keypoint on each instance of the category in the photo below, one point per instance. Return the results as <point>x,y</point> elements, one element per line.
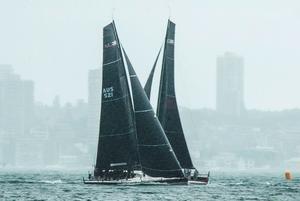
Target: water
<point>69,186</point>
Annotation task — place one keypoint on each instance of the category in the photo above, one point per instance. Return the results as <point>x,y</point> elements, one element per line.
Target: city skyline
<point>65,135</point>
<point>55,43</point>
<point>94,79</point>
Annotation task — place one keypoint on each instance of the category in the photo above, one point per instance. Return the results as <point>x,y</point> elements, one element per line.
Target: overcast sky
<point>56,42</point>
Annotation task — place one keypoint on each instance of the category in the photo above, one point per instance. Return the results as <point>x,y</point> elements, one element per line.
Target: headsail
<point>167,109</point>
<point>157,158</point>
<point>117,135</point>
<point>148,84</point>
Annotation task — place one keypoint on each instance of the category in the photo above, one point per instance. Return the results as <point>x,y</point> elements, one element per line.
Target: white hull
<point>139,181</point>
<point>197,182</point>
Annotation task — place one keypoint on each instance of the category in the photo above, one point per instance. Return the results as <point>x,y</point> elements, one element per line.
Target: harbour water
<point>58,185</point>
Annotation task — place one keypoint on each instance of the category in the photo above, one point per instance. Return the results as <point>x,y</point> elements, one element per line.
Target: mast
<point>157,158</point>
<point>117,135</point>
<point>148,84</point>
<point>167,109</point>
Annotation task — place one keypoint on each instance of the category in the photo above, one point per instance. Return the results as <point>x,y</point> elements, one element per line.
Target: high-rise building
<point>94,104</point>
<point>10,100</point>
<point>27,104</point>
<point>230,84</point>
<point>16,109</point>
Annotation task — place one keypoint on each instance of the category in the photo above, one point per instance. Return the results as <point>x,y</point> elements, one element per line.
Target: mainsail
<point>167,109</point>
<point>157,158</point>
<point>117,135</point>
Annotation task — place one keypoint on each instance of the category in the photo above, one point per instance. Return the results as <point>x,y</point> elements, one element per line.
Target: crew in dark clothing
<point>196,174</point>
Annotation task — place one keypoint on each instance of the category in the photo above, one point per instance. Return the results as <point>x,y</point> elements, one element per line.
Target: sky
<point>55,43</point>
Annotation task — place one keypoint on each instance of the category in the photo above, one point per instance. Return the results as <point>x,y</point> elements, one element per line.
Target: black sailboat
<point>157,157</point>
<point>117,136</point>
<point>167,109</point>
<point>131,137</point>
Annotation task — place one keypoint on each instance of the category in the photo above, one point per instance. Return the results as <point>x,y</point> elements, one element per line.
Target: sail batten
<point>153,145</point>
<point>112,62</point>
<point>111,100</point>
<point>140,111</point>
<point>167,109</point>
<point>117,134</point>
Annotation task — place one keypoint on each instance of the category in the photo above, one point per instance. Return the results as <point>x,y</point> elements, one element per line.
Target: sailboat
<point>132,146</point>
<point>167,109</point>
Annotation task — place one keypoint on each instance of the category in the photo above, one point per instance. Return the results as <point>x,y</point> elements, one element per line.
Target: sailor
<point>106,174</point>
<point>128,173</point>
<point>90,176</point>
<point>196,173</point>
<point>186,172</point>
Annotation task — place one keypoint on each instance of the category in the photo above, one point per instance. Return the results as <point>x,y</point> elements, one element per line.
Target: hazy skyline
<point>55,43</point>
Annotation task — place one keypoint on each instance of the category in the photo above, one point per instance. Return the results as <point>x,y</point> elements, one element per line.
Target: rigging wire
<point>113,13</point>
<point>113,9</point>
<point>170,11</point>
<point>169,8</point>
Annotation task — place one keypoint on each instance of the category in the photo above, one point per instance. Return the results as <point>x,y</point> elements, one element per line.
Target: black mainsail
<point>157,158</point>
<point>117,135</point>
<point>148,84</point>
<point>167,109</point>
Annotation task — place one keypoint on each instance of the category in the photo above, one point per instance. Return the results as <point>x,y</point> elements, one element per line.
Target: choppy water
<point>69,186</point>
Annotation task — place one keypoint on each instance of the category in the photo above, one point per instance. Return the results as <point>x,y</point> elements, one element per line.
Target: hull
<point>203,181</point>
<point>200,180</point>
<point>139,181</point>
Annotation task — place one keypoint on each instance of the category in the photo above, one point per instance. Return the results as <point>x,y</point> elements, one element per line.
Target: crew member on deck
<point>196,174</point>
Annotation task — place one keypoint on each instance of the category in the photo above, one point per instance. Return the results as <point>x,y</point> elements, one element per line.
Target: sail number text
<point>108,92</point>
<point>110,44</point>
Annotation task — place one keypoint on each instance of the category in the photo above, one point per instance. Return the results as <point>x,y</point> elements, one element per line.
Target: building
<point>16,110</point>
<point>27,106</point>
<point>230,84</point>
<point>16,102</point>
<point>94,104</point>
